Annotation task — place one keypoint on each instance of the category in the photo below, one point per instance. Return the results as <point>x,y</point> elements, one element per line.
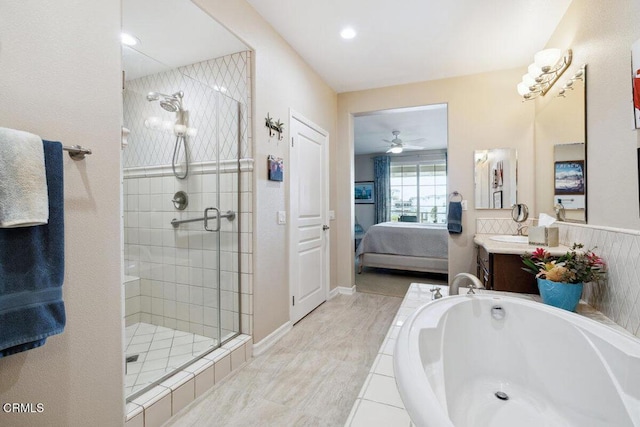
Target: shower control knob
<point>180,200</point>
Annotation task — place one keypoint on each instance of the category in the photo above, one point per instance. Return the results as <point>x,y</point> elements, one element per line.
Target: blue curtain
<point>382,188</point>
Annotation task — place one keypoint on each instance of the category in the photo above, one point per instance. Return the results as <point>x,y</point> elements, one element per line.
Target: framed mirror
<point>495,179</point>
<point>561,149</point>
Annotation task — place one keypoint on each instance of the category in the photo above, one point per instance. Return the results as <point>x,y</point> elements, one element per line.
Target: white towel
<point>23,183</point>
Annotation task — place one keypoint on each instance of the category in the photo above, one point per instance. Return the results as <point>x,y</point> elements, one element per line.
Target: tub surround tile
<point>618,296</point>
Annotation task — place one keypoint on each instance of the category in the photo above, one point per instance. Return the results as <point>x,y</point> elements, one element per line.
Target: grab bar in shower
<point>230,215</point>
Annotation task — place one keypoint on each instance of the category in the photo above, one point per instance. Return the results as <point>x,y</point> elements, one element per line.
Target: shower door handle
<point>206,219</point>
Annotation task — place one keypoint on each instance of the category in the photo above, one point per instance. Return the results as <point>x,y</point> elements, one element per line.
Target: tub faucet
<point>455,285</point>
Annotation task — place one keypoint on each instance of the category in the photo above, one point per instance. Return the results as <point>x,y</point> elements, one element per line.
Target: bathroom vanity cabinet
<point>503,272</point>
<point>499,266</point>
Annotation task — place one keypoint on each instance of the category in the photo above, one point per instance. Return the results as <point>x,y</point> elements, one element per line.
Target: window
<point>419,190</point>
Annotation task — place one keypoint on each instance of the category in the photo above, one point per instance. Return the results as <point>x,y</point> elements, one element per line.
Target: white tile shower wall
<point>214,90</point>
<point>178,267</point>
<point>617,297</point>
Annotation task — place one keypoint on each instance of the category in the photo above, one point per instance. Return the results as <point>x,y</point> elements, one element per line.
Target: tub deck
<point>379,402</point>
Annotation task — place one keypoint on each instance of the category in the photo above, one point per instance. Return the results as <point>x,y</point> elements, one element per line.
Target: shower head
<point>171,103</point>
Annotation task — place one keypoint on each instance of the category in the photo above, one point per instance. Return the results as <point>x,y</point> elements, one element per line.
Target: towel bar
<point>76,152</point>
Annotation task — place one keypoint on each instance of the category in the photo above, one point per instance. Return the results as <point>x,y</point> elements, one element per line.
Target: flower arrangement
<point>573,267</point>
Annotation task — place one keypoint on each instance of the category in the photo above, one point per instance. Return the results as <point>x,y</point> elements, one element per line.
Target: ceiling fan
<point>397,145</point>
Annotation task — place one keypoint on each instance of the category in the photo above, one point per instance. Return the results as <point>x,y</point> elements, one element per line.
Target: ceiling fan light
<point>395,150</point>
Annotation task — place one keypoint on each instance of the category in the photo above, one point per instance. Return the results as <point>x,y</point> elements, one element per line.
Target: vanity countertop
<point>495,247</point>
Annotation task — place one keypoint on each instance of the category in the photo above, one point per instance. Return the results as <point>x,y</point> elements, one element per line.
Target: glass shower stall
<point>181,229</point>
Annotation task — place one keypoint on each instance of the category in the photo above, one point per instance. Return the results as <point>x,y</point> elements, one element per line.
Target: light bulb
<point>523,88</point>
<point>534,71</point>
<point>396,150</point>
<point>528,80</point>
<point>547,59</point>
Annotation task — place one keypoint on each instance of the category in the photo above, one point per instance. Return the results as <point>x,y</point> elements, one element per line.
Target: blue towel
<point>32,270</point>
<point>454,218</point>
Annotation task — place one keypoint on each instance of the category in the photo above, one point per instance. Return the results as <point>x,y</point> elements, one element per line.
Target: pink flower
<point>540,254</point>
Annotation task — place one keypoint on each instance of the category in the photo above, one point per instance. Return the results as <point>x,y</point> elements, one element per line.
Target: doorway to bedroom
<point>400,198</point>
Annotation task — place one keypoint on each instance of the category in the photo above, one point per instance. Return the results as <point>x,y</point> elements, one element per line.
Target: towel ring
<point>454,195</point>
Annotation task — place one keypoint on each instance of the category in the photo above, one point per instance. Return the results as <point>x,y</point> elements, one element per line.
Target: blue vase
<point>561,295</point>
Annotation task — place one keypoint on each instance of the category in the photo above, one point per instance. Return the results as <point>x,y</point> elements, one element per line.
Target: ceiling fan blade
<point>386,140</point>
<point>413,147</point>
<point>416,140</point>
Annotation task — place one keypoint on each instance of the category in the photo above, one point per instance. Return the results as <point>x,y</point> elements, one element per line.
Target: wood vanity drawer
<point>503,272</point>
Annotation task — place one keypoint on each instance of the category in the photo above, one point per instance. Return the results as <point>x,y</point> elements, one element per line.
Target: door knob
<point>325,227</point>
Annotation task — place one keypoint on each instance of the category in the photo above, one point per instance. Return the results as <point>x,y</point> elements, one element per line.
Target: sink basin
<point>511,239</point>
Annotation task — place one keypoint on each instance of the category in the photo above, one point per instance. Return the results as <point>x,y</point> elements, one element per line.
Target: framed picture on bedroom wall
<point>363,192</point>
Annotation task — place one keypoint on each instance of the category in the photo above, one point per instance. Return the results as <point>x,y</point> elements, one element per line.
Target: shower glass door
<point>181,271</point>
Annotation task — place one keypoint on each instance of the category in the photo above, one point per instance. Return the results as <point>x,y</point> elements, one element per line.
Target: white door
<point>308,207</point>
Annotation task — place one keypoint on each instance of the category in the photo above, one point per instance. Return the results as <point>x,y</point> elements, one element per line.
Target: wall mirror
<point>561,147</point>
<point>495,179</point>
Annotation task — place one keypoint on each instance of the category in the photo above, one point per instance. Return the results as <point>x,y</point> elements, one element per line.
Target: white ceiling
<point>399,41</point>
<point>403,41</point>
<point>428,122</point>
<point>172,33</point>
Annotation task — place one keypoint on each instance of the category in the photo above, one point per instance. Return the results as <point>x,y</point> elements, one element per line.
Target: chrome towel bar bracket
<point>76,152</point>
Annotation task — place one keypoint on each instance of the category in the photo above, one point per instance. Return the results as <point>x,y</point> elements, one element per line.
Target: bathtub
<point>501,361</point>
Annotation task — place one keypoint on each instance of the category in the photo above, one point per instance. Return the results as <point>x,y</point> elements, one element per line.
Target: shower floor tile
<point>160,350</point>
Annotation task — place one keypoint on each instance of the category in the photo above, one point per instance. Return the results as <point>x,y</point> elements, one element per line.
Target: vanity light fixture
<point>548,65</point>
<point>348,33</point>
<point>579,75</point>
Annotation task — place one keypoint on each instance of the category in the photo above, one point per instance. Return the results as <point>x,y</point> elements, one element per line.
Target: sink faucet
<point>455,285</point>
<point>520,227</point>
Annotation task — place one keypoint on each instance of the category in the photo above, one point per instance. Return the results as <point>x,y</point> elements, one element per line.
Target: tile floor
<point>310,377</point>
<point>160,350</point>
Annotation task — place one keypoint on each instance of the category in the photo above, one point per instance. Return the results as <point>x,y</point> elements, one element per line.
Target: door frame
<point>294,115</point>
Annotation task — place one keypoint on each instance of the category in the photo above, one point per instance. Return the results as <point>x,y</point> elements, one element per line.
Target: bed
<point>405,246</point>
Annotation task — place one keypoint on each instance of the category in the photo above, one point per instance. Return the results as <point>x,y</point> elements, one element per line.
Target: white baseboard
<point>341,290</point>
<point>267,342</point>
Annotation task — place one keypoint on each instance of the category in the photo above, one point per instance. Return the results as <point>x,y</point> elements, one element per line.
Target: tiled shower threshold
<point>157,405</point>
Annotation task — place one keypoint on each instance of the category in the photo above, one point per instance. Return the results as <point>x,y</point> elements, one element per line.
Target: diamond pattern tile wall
<point>618,296</point>
<point>214,92</point>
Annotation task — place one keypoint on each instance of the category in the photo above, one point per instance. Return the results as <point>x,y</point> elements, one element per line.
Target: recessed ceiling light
<point>348,33</point>
<point>128,39</point>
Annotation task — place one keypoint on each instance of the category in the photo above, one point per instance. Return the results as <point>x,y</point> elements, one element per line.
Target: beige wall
<point>60,78</point>
<point>484,111</point>
<point>282,81</point>
<point>600,34</point>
